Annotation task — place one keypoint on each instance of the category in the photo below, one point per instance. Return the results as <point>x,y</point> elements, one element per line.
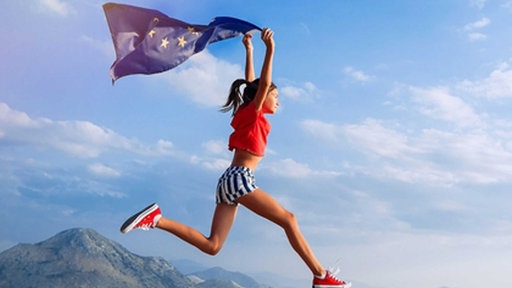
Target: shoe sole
<point>347,285</point>
<point>130,223</point>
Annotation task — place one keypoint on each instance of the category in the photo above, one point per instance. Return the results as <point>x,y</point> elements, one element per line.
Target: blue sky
<point>393,143</point>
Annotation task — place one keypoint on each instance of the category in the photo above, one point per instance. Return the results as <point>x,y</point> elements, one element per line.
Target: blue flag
<point>147,41</point>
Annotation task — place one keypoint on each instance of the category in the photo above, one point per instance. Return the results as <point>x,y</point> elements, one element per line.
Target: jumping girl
<point>237,185</point>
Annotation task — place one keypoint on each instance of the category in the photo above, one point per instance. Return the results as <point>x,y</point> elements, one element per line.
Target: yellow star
<point>182,41</point>
<point>165,42</point>
<point>192,30</point>
<point>152,33</point>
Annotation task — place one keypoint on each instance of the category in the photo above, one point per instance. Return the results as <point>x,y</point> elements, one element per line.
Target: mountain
<point>84,258</point>
<point>190,268</point>
<point>187,266</point>
<point>230,279</point>
<point>215,283</point>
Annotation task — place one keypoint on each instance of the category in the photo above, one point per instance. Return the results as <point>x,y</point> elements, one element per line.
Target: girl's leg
<point>264,205</point>
<point>223,219</point>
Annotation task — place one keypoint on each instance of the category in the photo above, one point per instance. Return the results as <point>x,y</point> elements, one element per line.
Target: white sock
<point>323,275</point>
<point>156,219</point>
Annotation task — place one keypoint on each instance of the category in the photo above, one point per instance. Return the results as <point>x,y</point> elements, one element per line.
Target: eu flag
<point>147,41</point>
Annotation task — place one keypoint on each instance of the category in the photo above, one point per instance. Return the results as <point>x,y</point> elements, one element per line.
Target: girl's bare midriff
<point>245,159</point>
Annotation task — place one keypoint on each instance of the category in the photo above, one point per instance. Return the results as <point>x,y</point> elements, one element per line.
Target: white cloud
<point>429,155</point>
<point>356,74</point>
<point>374,137</point>
<point>102,170</point>
<point>479,156</point>
<point>105,47</point>
<point>291,169</point>
<point>62,8</point>
<point>216,156</point>
<point>439,103</point>
<point>204,78</point>
<point>217,147</point>
<point>475,36</point>
<point>370,136</point>
<point>79,138</point>
<point>497,85</point>
<point>445,255</point>
<point>305,92</point>
<point>210,163</point>
<point>480,4</point>
<point>477,25</point>
<point>329,132</point>
<point>215,164</point>
<point>163,147</point>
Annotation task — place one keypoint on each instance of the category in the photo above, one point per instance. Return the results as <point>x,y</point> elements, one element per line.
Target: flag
<point>147,41</point>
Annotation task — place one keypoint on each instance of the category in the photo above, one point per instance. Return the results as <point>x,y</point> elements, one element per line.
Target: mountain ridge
<point>218,273</point>
<point>81,257</point>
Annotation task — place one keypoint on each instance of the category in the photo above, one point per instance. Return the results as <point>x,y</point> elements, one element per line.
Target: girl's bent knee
<point>213,248</point>
<point>289,221</point>
<point>213,251</point>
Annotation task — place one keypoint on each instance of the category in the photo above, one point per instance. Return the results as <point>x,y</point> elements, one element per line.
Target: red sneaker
<point>145,219</point>
<point>330,281</point>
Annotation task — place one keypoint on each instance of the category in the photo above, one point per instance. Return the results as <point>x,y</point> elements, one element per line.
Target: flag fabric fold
<point>147,41</point>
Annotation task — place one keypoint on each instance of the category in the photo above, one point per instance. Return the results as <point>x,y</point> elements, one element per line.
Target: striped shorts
<point>233,184</point>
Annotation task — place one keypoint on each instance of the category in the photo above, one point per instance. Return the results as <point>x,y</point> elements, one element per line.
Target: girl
<point>237,185</point>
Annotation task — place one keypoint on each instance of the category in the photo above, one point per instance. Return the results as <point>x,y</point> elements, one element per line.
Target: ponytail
<point>236,98</point>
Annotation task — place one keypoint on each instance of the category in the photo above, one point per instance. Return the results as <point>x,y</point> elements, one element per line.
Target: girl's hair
<point>236,98</point>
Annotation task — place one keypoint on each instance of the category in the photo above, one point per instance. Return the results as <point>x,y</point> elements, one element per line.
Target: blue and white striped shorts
<point>234,183</point>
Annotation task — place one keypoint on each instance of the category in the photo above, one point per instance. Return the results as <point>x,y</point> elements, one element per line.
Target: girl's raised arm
<point>266,71</point>
<point>249,65</point>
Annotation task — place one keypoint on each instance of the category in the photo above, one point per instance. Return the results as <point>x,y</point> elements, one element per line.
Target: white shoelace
<point>335,270</point>
<point>145,227</point>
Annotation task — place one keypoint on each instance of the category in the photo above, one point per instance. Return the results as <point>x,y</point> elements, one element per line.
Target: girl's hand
<point>247,40</point>
<point>267,36</point>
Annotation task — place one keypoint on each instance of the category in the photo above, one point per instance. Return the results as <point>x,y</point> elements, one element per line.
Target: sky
<point>392,144</point>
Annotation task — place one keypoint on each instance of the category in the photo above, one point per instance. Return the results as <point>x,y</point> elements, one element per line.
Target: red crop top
<point>251,130</point>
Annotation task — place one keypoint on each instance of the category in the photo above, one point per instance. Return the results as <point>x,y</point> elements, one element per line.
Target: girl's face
<point>271,102</point>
